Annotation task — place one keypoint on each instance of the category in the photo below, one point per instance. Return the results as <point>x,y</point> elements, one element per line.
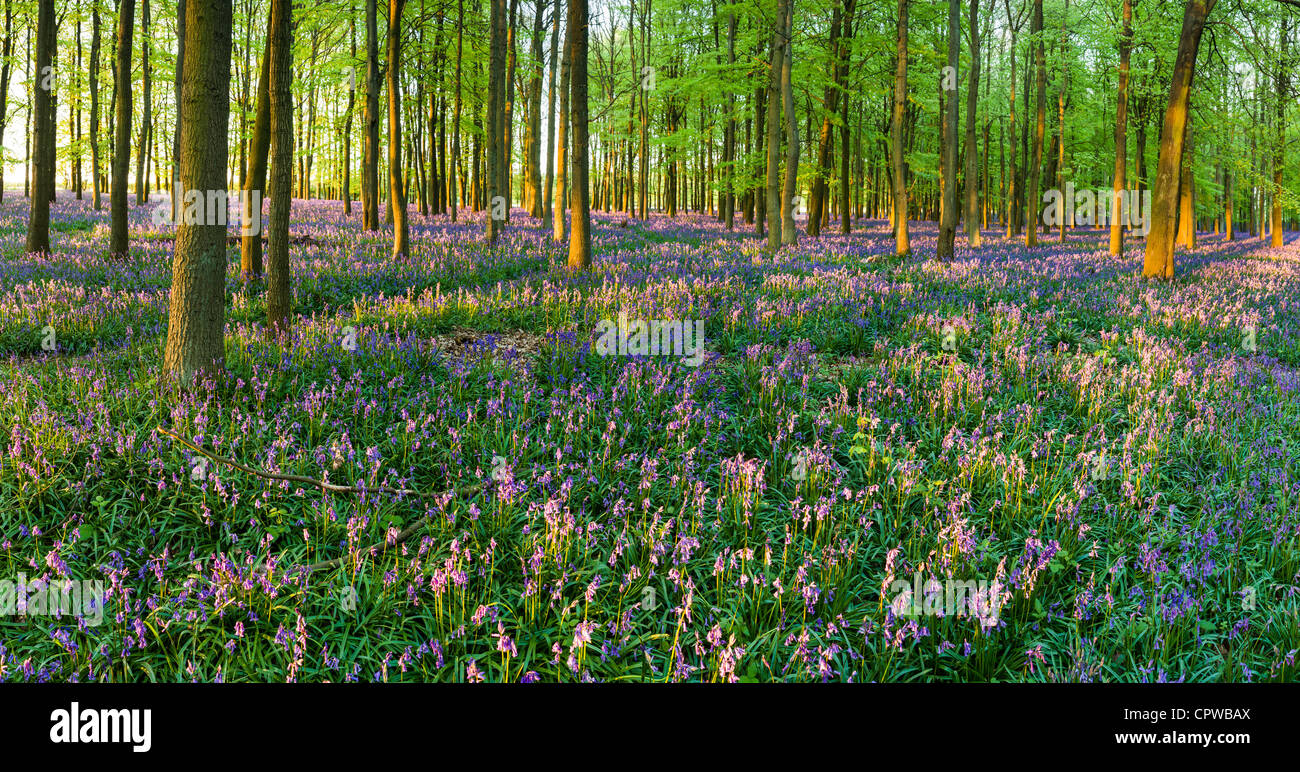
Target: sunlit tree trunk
<point>250,243</point>
<point>948,214</point>
<point>1121,134</point>
<point>1036,161</point>
<point>1159,258</point>
<point>789,234</point>
<point>1283,96</point>
<point>38,221</point>
<point>902,244</point>
<point>279,49</point>
<point>396,191</point>
<point>370,163</point>
<point>195,347</point>
<point>580,229</point>
<point>973,236</point>
<point>495,118</point>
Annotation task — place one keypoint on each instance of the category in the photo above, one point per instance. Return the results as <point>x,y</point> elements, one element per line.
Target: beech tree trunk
<point>580,230</point>
<point>1159,258</point>
<point>38,221</point>
<point>898,168</point>
<point>396,190</point>
<point>195,347</point>
<point>279,50</point>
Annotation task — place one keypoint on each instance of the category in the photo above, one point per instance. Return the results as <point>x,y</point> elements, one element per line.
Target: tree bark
<point>580,229</point>
<point>1040,102</point>
<point>195,347</point>
<point>562,142</point>
<point>1121,134</point>
<point>898,168</point>
<point>973,236</point>
<point>122,130</point>
<point>396,191</point>
<point>38,221</point>
<point>370,163</point>
<point>1159,258</point>
<point>948,214</point>
<point>279,49</point>
<point>250,245</point>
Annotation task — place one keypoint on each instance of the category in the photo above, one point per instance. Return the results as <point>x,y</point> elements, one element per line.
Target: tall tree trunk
<point>580,229</point>
<point>455,115</point>
<point>1283,97</point>
<point>898,168</point>
<point>370,164</point>
<point>279,50</point>
<point>146,118</point>
<point>846,43</point>
<point>96,188</point>
<point>562,140</point>
<point>789,234</point>
<point>1159,258</point>
<point>196,314</point>
<point>821,182</point>
<point>973,236</point>
<point>6,50</point>
<point>177,195</point>
<point>1121,134</point>
<point>496,118</point>
<point>250,245</point>
<point>345,149</point>
<point>948,214</point>
<point>122,129</point>
<point>396,191</point>
<point>548,186</point>
<point>1040,102</point>
<point>38,221</point>
<point>729,141</point>
<point>774,96</point>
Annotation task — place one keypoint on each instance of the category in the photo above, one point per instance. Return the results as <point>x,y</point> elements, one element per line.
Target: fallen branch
<point>403,535</point>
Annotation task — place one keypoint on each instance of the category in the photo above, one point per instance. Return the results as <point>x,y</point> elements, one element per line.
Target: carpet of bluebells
<point>1113,457</point>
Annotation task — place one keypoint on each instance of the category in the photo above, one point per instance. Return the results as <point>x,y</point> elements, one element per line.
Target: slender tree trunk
<point>6,51</point>
<point>250,245</point>
<point>38,222</point>
<point>495,113</point>
<point>1159,258</point>
<point>396,191</point>
<point>146,121</point>
<point>580,230</point>
<point>195,347</point>
<point>898,167</point>
<point>96,187</point>
<point>972,177</point>
<point>1283,97</point>
<point>122,129</point>
<point>455,118</point>
<point>789,234</point>
<point>345,149</point>
<point>948,213</point>
<point>846,43</point>
<point>279,49</point>
<point>370,165</point>
<point>1040,102</point>
<point>1121,134</point>
<point>774,95</point>
<point>562,140</point>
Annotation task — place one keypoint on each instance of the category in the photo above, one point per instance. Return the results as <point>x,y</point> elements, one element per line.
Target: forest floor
<point>1108,462</point>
